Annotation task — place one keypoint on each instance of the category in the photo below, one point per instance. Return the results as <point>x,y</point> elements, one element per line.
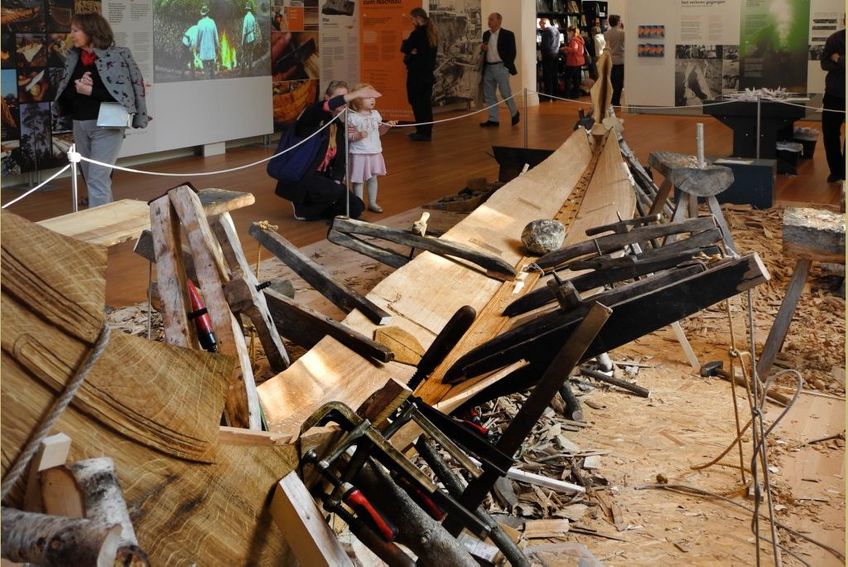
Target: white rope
<point>478,111</point>
<point>36,188</point>
<point>230,170</point>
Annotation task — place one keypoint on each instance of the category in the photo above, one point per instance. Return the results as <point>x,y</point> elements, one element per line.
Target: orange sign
<point>295,17</point>
<point>384,24</point>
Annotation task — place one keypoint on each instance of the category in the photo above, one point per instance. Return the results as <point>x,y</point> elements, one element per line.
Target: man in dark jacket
<point>550,56</point>
<point>833,117</point>
<point>498,64</point>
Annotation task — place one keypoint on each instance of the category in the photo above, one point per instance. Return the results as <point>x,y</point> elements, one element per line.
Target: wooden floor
<point>418,173</point>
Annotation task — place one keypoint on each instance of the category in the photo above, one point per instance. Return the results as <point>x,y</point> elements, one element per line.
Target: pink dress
<point>366,155</point>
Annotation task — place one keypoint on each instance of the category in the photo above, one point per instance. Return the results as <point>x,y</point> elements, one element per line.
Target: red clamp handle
<point>356,500</point>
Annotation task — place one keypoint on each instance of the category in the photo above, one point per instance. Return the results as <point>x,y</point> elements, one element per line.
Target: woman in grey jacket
<point>97,71</point>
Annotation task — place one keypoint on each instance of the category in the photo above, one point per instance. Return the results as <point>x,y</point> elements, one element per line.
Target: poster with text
<point>215,39</point>
<point>458,57</point>
<point>383,26</point>
<point>774,44</point>
<point>339,41</point>
<point>295,64</point>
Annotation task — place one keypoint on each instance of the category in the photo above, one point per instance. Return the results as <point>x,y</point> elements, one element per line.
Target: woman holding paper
<point>100,85</point>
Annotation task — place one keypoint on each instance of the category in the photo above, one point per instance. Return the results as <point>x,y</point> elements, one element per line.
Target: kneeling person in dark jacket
<point>321,192</point>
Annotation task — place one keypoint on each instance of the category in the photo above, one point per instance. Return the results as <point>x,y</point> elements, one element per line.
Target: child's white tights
<point>372,193</point>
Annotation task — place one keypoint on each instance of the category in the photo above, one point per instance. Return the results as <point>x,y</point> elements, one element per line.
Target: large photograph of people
<point>210,39</point>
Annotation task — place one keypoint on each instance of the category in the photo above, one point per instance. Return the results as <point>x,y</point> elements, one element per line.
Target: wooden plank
<point>543,529</point>
<point>814,234</point>
<point>211,275</point>
<point>316,275</point>
<point>170,274</point>
<point>123,220</point>
<point>780,326</point>
<point>303,525</point>
<point>106,225</point>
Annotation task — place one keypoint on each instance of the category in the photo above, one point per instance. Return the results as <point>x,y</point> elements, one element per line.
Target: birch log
<point>54,540</point>
<point>104,502</point>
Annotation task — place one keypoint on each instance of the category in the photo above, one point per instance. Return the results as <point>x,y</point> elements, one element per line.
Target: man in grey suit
<point>498,64</point>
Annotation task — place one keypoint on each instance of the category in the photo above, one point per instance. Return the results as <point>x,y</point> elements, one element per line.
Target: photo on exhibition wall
<point>35,42</point>
<point>458,56</point>
<point>704,72</point>
<point>295,65</point>
<point>214,39</point>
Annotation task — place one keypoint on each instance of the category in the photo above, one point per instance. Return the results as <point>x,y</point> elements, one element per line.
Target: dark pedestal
<point>753,183</point>
<point>741,117</point>
<point>512,160</point>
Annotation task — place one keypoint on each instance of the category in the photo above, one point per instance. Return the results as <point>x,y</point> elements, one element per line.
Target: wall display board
<point>774,44</point>
<point>382,27</point>
<point>35,43</point>
<point>651,42</point>
<point>295,64</point>
<point>339,44</point>
<point>826,17</point>
<point>458,59</point>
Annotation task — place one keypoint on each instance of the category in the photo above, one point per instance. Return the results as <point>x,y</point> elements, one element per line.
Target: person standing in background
<point>550,56</point>
<point>250,38</point>
<point>574,61</point>
<point>614,37</point>
<point>419,56</point>
<point>207,42</point>
<point>97,71</point>
<point>189,42</point>
<point>499,54</point>
<point>598,41</point>
<point>833,116</point>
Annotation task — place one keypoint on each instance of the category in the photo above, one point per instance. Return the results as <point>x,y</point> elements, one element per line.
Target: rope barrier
<point>37,187</point>
<point>205,173</point>
<point>73,156</point>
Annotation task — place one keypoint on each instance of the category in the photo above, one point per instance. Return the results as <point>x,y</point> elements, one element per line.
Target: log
<point>104,500</point>
<point>307,327</point>
<point>341,295</point>
<point>814,234</point>
<point>55,541</point>
<point>418,531</point>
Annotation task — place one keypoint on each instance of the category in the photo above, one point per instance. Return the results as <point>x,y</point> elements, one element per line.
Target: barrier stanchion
<point>74,158</point>
<point>525,118</point>
<point>347,162</point>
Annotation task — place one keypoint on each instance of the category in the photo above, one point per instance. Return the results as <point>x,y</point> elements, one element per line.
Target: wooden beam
<point>170,274</point>
<point>493,265</point>
<point>341,295</point>
<point>814,234</point>
<point>243,295</point>
<point>307,327</point>
<point>242,407</point>
<point>303,526</point>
